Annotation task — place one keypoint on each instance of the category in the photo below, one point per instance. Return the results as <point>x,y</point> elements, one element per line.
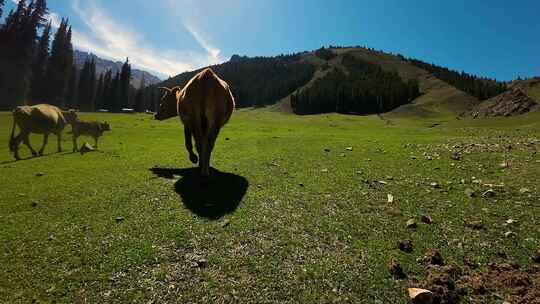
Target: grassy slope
<point>327,240</point>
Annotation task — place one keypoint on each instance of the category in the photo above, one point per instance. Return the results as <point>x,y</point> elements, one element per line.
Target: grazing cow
<point>42,119</point>
<point>204,105</point>
<point>90,128</point>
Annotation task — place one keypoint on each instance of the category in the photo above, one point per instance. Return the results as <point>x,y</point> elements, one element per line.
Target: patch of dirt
<point>500,282</point>
<point>510,103</point>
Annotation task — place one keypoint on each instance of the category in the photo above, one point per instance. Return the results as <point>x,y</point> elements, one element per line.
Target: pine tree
<point>99,93</point>
<point>72,89</point>
<point>87,85</point>
<point>18,36</point>
<point>1,7</point>
<point>39,82</point>
<point>123,86</point>
<point>106,95</point>
<point>140,104</point>
<point>60,63</point>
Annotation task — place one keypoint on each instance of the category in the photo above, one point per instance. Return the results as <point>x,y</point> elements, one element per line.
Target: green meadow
<point>297,209</point>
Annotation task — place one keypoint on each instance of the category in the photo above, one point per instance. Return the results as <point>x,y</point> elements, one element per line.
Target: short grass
<point>282,221</point>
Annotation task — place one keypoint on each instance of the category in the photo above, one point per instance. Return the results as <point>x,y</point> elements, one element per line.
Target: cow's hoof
<point>193,158</point>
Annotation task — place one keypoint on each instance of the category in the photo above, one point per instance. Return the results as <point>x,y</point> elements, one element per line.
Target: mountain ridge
<point>103,65</point>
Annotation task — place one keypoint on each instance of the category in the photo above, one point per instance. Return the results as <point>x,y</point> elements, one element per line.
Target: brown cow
<point>205,104</point>
<point>42,119</point>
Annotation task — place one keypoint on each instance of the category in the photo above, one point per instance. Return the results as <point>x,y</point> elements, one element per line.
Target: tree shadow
<point>211,197</point>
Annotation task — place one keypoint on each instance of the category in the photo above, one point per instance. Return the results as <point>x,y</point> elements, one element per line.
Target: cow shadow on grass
<point>211,198</point>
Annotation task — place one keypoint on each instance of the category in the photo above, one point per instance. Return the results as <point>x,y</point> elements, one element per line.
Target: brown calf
<point>204,105</point>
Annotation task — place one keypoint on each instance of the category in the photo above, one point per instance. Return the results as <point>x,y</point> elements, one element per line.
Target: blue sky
<point>495,38</point>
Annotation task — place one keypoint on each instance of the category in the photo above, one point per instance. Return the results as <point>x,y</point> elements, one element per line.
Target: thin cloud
<point>111,39</point>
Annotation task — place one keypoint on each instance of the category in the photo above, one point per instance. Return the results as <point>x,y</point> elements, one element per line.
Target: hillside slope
<point>249,80</point>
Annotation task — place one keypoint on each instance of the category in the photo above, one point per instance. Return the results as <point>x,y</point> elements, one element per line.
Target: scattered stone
<point>201,262</point>
<point>301,184</point>
<point>119,219</point>
<point>429,158</point>
<point>536,256</point>
<point>390,198</point>
<point>470,192</point>
<point>326,150</point>
<point>51,237</point>
<point>225,223</point>
<point>39,174</point>
<point>524,190</point>
<point>510,234</point>
<point>434,257</point>
<point>324,170</point>
<point>511,221</point>
<point>420,296</point>
<point>349,148</point>
<point>505,164</point>
<point>489,193</point>
<point>396,270</point>
<point>476,225</point>
<point>86,147</point>
<point>435,185</point>
<point>382,182</point>
<point>411,223</point>
<point>426,219</point>
<point>359,172</point>
<point>405,246</point>
<point>455,156</point>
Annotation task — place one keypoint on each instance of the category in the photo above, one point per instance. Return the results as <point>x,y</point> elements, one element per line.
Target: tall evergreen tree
<point>39,82</point>
<point>60,63</point>
<point>123,86</point>
<point>1,7</point>
<point>107,87</point>
<point>87,85</point>
<point>99,93</point>
<point>18,36</point>
<point>140,104</point>
<point>72,89</point>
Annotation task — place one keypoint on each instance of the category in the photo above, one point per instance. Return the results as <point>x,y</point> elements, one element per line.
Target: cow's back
<point>41,118</point>
<point>206,100</point>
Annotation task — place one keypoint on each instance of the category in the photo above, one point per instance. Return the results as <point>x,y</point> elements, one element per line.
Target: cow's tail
<point>12,138</point>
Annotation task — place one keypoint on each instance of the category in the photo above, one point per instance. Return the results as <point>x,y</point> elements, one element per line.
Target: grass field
<point>292,215</point>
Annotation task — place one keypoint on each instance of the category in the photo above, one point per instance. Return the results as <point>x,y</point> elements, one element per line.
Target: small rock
<point>201,262</point>
<point>476,225</point>
<point>434,257</point>
<point>390,198</point>
<point>429,158</point>
<point>349,148</point>
<point>324,170</point>
<point>420,296</point>
<point>536,256</point>
<point>119,219</point>
<point>511,221</point>
<point>301,184</point>
<point>504,165</point>
<point>426,219</point>
<point>326,150</point>
<point>405,246</point>
<point>86,147</point>
<point>509,234</point>
<point>359,172</point>
<point>411,223</point>
<point>396,270</point>
<point>435,185</point>
<point>39,174</point>
<point>470,192</point>
<point>524,190</point>
<point>489,193</point>
<point>225,223</point>
<point>382,182</point>
<point>455,156</point>
<point>51,237</point>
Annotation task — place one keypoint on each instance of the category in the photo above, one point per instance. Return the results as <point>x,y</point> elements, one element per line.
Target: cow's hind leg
<point>45,141</point>
<point>26,141</point>
<point>15,145</point>
<point>212,136</point>
<point>189,145</point>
